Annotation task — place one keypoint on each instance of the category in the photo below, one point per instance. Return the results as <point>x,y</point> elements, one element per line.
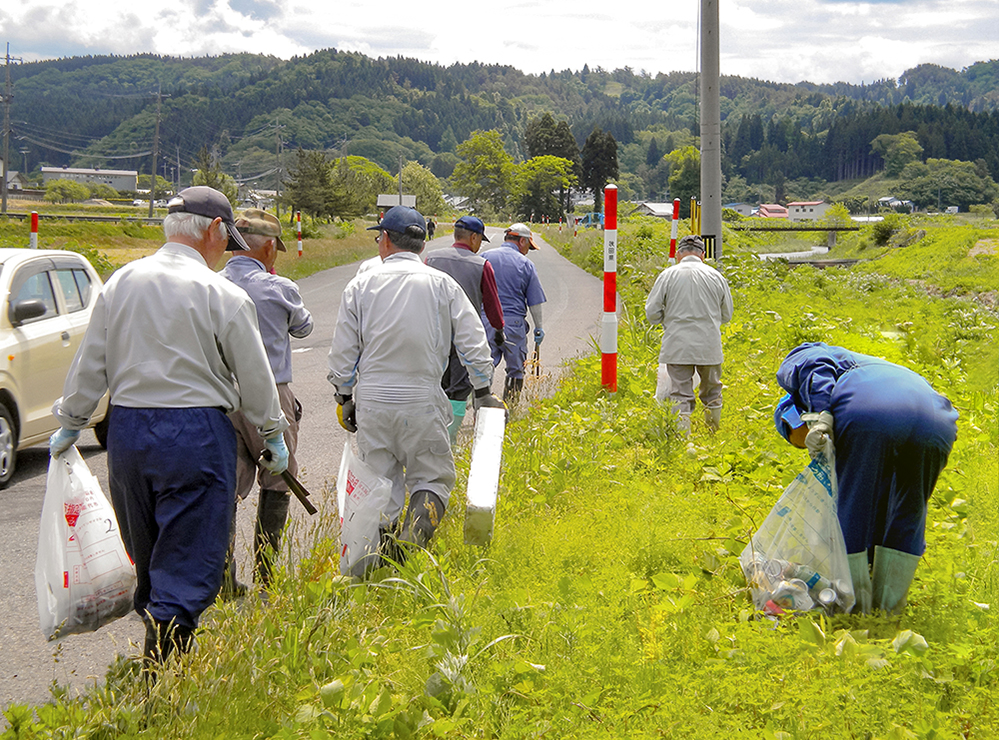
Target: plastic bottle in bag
<point>792,594</point>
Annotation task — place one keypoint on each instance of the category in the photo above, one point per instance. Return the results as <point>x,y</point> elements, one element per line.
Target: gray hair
<point>406,242</point>
<point>190,225</point>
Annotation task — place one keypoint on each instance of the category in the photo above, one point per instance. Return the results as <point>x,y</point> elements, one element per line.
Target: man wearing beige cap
<point>281,314</point>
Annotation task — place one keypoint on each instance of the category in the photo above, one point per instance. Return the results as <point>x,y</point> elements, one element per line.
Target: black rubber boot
<point>231,587</point>
<point>272,513</point>
<point>162,639</point>
<point>422,518</point>
<point>511,390</point>
<point>388,545</point>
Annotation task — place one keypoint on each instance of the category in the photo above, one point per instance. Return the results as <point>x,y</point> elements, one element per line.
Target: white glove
<point>62,440</point>
<point>819,432</point>
<point>277,461</point>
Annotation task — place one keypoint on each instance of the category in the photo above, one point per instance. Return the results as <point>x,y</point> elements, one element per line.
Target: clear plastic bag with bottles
<point>796,561</point>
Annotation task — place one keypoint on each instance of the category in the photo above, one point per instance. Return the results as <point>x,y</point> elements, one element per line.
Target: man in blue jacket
<point>892,434</point>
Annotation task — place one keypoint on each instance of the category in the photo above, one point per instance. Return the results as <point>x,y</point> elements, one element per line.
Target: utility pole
<point>7,97</point>
<point>156,149</point>
<point>280,172</point>
<point>400,179</point>
<point>711,222</point>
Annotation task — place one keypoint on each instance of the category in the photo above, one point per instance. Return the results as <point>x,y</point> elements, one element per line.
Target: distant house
<point>457,202</point>
<point>771,210</point>
<point>807,210</point>
<point>387,200</point>
<point>891,203</point>
<point>118,179</point>
<point>659,210</point>
<point>15,180</point>
<point>743,209</point>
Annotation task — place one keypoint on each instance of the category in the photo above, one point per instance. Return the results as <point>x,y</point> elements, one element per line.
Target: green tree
<point>355,183</point>
<point>163,185</point>
<point>946,182</point>
<point>599,164</point>
<point>65,191</point>
<point>101,190</point>
<point>209,172</point>
<point>544,136</point>
<point>898,150</point>
<point>536,183</point>
<point>685,176</point>
<point>308,186</point>
<point>421,182</point>
<point>485,171</point>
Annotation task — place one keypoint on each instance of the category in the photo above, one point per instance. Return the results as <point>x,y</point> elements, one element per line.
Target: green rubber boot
<point>893,574</point>
<point>860,573</point>
<point>458,408</point>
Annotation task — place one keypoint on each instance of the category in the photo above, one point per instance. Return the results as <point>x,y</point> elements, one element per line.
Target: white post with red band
<point>33,239</point>
<point>608,334</point>
<point>672,235</point>
<point>298,221</point>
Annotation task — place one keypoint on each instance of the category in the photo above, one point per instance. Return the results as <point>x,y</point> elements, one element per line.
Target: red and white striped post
<point>298,223</point>
<point>672,234</point>
<point>560,224</point>
<point>608,334</point>
<point>33,239</point>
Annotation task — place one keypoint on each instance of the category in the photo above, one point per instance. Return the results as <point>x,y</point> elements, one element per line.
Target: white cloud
<point>781,40</point>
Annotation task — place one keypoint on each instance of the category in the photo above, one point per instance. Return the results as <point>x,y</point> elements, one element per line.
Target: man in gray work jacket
<point>178,347</point>
<point>281,314</point>
<point>691,300</point>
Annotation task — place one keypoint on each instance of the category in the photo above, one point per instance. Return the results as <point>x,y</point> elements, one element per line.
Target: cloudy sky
<point>778,40</point>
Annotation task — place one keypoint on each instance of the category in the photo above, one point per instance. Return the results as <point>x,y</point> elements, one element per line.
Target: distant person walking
<point>178,348</point>
<point>691,300</point>
<point>431,228</point>
<point>476,278</point>
<point>281,314</point>
<point>519,291</point>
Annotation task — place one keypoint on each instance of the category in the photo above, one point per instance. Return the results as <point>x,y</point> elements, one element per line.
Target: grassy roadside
<point>613,573</point>
<point>110,245</point>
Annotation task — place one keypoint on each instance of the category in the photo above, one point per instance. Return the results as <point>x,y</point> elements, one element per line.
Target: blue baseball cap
<point>473,224</point>
<point>786,416</point>
<point>400,219</point>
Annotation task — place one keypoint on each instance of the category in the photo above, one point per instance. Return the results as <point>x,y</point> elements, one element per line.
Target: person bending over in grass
<point>893,434</point>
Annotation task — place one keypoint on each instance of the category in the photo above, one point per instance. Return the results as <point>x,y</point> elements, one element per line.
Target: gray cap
<point>204,201</point>
<point>689,243</point>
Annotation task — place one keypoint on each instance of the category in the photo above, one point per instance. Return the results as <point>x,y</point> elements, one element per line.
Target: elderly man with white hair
<point>178,347</point>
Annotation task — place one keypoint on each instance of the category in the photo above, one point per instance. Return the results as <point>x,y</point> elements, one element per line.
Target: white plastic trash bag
<point>83,576</point>
<point>797,558</point>
<point>362,496</point>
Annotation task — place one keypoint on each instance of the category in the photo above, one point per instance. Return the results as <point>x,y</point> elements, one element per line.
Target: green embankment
<point>613,572</point>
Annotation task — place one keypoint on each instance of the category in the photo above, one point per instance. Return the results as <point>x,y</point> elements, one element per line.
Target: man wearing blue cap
<point>396,326</point>
<point>893,434</point>
<point>476,277</point>
<point>178,347</point>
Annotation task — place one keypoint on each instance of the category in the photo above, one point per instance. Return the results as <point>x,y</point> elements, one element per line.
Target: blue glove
<point>62,440</point>
<point>539,334</point>
<point>277,461</point>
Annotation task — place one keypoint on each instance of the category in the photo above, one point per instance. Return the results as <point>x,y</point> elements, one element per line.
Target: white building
<point>118,179</point>
<point>806,210</point>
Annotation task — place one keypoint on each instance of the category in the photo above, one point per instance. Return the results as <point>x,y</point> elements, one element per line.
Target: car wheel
<point>101,430</point>
<point>8,446</point>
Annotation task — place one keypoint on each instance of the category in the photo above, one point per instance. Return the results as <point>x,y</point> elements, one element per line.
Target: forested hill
<point>102,110</point>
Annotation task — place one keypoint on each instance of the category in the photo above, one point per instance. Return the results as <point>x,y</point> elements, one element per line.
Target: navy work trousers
<point>173,479</point>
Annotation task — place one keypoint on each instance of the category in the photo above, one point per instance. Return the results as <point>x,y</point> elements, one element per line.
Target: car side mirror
<point>26,310</point>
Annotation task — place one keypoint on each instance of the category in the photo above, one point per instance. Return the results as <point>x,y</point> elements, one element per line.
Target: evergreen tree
<point>599,164</point>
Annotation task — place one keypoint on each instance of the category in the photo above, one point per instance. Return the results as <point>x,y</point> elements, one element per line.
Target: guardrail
<point>753,227</point>
<point>99,219</point>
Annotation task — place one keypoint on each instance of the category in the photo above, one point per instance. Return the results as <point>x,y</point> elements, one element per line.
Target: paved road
<point>29,665</point>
